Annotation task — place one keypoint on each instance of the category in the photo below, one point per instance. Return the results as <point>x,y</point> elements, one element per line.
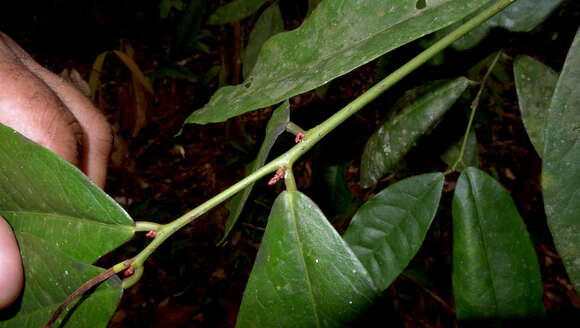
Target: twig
<point>87,286</point>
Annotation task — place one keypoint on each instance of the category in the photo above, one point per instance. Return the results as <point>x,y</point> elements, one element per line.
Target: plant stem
<point>147,226</point>
<point>473,107</point>
<point>289,180</point>
<point>294,129</point>
<point>324,128</point>
<point>317,133</point>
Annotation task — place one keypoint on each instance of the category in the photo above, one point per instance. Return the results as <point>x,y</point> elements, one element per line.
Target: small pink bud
<point>129,271</point>
<point>299,137</point>
<point>277,177</point>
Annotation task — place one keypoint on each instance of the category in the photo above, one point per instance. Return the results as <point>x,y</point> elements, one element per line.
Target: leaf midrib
<point>302,256</point>
<point>64,217</point>
<point>484,242</point>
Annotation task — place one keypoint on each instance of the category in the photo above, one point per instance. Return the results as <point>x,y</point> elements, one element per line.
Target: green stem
<point>331,123</point>
<point>289,180</point>
<point>294,129</point>
<point>147,226</point>
<point>473,107</point>
<point>314,135</point>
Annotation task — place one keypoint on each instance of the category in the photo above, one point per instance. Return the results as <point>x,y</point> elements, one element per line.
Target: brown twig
<point>85,287</point>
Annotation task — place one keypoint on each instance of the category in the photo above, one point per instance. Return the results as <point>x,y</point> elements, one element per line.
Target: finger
<point>30,107</point>
<point>96,132</point>
<point>11,273</point>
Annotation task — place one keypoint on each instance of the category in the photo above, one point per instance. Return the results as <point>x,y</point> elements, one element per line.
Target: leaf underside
<point>331,42</point>
<point>63,222</point>
<point>426,106</point>
<point>561,171</point>
<point>535,84</point>
<point>276,126</point>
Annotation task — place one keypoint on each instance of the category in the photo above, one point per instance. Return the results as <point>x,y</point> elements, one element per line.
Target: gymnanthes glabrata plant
<point>306,274</point>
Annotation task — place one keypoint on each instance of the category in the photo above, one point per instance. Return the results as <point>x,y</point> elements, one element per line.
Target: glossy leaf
<point>521,16</point>
<point>276,125</point>
<point>331,42</point>
<point>234,11</point>
<point>561,170</point>
<point>388,230</point>
<point>535,83</point>
<point>496,275</point>
<point>63,222</point>
<point>304,275</point>
<point>470,156</point>
<point>268,24</point>
<point>426,106</point>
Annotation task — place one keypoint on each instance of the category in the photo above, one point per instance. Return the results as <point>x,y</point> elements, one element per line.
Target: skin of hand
<point>54,114</point>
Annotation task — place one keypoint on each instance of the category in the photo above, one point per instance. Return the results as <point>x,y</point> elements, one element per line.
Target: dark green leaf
<point>332,41</point>
<point>276,125</point>
<point>535,83</point>
<point>270,23</point>
<point>304,275</point>
<point>470,156</point>
<point>522,16</point>
<point>234,11</point>
<point>561,171</point>
<point>496,274</point>
<point>388,230</point>
<point>62,221</point>
<point>397,136</point>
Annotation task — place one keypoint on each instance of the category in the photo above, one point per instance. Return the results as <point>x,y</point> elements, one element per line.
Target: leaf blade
<point>397,136</point>
<point>522,16</point>
<point>268,24</point>
<point>55,276</point>
<point>62,222</point>
<point>305,275</point>
<point>388,230</point>
<point>496,274</point>
<point>560,173</point>
<point>330,43</point>
<point>34,181</point>
<point>276,125</point>
<point>535,84</point>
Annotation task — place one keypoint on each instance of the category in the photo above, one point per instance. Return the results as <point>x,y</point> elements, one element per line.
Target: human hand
<point>54,114</point>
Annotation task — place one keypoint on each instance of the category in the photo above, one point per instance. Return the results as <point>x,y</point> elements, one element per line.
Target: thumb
<point>11,273</point>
